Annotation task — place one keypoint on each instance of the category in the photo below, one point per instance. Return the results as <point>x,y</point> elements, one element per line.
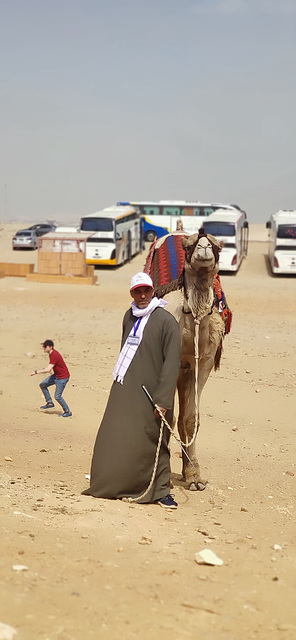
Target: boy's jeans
<point>60,386</point>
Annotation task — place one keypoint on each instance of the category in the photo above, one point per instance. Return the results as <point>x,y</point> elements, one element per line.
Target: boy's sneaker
<point>48,405</point>
<point>67,414</point>
<point>168,502</point>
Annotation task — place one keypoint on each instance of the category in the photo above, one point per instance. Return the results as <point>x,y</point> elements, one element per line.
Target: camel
<point>202,330</point>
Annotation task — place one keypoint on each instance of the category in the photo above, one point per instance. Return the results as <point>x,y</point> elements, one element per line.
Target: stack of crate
<point>62,254</point>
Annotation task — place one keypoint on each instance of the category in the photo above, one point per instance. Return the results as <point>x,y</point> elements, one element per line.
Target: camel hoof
<point>197,486</point>
<point>192,487</point>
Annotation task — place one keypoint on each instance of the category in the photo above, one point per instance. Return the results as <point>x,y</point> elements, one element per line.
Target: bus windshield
<point>219,228</point>
<point>96,224</point>
<point>286,231</point>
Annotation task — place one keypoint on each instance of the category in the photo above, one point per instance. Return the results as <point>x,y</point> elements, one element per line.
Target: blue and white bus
<point>160,218</point>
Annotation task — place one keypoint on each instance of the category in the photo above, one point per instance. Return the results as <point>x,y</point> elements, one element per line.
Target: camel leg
<point>186,425</point>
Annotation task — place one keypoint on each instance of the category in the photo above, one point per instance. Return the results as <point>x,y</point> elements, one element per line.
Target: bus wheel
<point>150,236</point>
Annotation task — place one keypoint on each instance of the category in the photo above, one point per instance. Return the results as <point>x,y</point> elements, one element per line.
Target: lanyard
<point>136,326</point>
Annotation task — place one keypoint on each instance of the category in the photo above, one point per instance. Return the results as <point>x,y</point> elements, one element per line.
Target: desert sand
<point>112,570</point>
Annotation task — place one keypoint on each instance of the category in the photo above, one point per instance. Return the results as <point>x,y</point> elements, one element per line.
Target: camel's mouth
<point>202,261</point>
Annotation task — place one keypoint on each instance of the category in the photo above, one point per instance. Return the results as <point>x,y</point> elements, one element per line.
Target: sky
<point>107,100</point>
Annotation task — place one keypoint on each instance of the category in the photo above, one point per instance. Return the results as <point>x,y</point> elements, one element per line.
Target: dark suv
<point>41,229</point>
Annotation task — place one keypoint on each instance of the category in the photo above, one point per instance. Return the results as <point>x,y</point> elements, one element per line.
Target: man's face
<point>142,296</point>
<point>47,349</point>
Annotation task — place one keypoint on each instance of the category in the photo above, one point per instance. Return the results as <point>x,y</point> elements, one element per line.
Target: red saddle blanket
<point>165,263</point>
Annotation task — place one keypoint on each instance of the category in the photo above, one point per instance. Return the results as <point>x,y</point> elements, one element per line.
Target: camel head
<point>201,252</point>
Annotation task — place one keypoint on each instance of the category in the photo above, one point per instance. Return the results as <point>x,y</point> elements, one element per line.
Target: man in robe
<point>130,459</point>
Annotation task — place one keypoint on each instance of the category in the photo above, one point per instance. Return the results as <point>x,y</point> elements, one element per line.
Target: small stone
<point>145,540</point>
<point>8,459</point>
<point>19,567</point>
<point>244,509</point>
<point>206,556</point>
<point>43,450</point>
<point>289,473</point>
<point>7,632</point>
<point>234,428</point>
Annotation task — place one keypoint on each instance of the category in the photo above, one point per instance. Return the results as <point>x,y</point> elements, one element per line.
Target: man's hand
<point>162,409</point>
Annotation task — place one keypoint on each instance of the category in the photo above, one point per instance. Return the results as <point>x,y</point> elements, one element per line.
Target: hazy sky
<point>107,100</point>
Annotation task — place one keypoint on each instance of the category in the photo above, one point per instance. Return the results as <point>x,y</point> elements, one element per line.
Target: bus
<point>116,235</point>
<point>231,228</point>
<point>160,218</point>
<point>282,242</point>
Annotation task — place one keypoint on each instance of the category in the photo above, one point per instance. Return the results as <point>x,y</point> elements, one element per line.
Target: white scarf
<point>128,350</point>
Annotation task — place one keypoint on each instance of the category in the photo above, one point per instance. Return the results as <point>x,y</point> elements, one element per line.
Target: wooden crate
<point>61,263</point>
<point>16,269</point>
<point>45,277</point>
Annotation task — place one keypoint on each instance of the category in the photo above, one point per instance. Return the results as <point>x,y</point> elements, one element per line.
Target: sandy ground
<point>107,569</point>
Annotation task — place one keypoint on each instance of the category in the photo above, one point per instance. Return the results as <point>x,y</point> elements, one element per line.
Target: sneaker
<point>167,502</point>
<point>48,405</point>
<point>67,414</point>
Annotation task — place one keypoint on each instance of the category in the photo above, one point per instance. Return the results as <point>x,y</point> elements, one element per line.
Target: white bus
<point>116,235</point>
<point>160,218</point>
<point>232,228</point>
<point>282,242</point>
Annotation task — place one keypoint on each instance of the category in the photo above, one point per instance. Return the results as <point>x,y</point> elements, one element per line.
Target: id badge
<point>133,340</point>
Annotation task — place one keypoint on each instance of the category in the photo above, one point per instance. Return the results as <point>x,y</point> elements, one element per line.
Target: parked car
<point>25,239</point>
<point>42,228</point>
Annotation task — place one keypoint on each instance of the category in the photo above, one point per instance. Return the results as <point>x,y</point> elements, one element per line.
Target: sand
<point>108,569</point>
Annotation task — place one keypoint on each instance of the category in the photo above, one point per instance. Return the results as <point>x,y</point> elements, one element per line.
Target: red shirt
<point>60,368</point>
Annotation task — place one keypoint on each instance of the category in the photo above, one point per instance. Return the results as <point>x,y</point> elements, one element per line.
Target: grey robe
<point>125,447</point>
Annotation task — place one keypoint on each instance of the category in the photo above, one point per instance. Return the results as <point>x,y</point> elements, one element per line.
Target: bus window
<point>150,211</point>
<point>286,231</point>
<point>219,228</point>
<point>203,211</point>
<point>96,224</point>
<point>171,211</point>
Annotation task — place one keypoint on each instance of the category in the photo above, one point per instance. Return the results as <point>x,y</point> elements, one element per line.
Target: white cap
<point>141,280</point>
